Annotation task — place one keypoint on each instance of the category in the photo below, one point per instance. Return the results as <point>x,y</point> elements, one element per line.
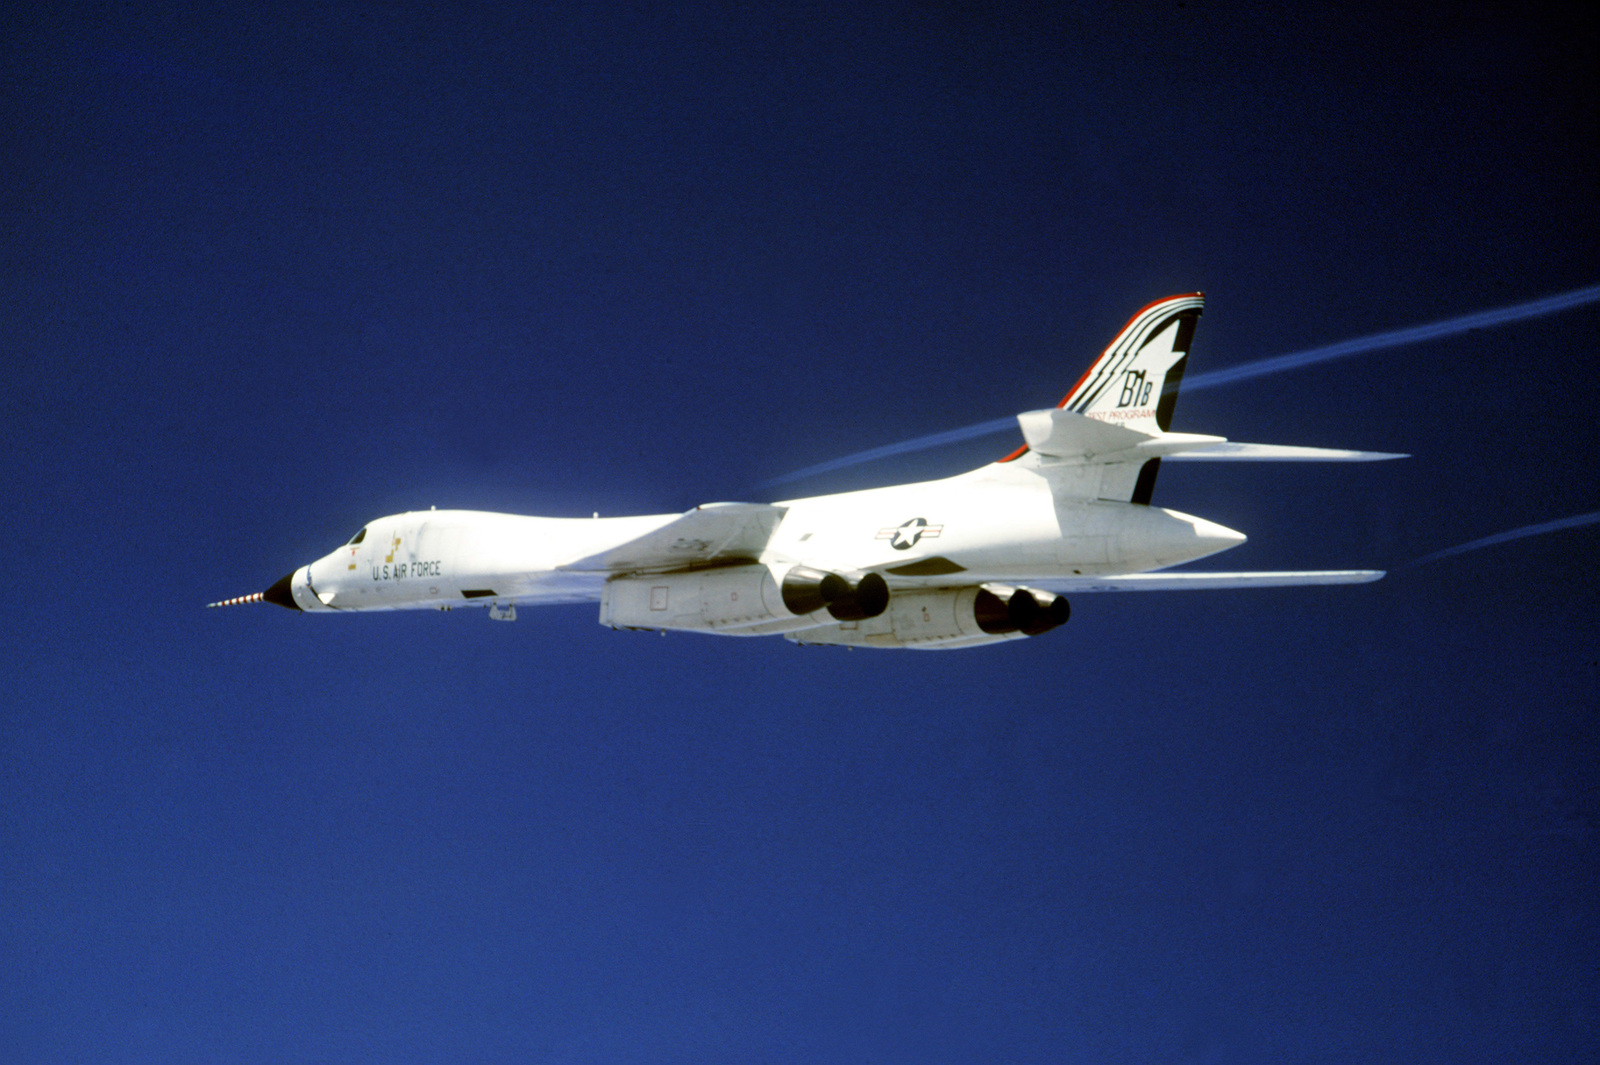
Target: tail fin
<point>1134,383</point>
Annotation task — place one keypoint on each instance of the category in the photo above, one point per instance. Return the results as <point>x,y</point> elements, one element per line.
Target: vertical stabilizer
<point>1134,383</point>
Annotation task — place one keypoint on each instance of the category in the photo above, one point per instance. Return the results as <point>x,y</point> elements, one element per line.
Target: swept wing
<point>712,534</point>
<point>1172,582</point>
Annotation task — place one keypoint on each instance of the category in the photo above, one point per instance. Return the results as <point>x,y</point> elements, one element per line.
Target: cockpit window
<point>358,537</point>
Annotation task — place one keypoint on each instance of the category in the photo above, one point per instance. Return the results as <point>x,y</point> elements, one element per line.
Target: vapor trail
<point>1394,338</point>
<point>921,443</point>
<point>1514,534</point>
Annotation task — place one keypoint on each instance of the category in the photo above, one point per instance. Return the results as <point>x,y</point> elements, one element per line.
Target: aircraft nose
<point>280,592</point>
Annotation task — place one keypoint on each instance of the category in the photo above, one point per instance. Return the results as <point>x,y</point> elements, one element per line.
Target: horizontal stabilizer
<point>1079,438</point>
<point>710,534</point>
<point>1074,437</point>
<point>1068,434</point>
<point>1170,582</point>
<point>1228,452</point>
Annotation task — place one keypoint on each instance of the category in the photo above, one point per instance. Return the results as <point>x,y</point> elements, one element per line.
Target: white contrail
<point>1395,338</point>
<point>921,443</point>
<point>1514,534</point>
<point>1260,368</point>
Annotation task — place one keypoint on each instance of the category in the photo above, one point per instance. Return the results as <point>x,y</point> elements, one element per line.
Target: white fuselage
<point>442,558</point>
<point>998,523</point>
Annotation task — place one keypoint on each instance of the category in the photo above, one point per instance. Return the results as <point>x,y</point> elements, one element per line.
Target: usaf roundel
<point>904,537</point>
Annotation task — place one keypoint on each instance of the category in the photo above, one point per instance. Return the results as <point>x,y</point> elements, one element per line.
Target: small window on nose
<point>358,537</point>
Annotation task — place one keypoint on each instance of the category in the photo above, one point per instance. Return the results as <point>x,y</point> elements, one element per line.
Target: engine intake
<point>949,617</point>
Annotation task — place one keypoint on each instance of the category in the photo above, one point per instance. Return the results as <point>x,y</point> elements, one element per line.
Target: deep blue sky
<point>267,276</point>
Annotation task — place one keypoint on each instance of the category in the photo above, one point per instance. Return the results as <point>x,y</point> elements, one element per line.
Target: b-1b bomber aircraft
<point>978,558</point>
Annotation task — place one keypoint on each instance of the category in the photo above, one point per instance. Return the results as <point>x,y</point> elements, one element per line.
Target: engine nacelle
<point>944,618</point>
<point>741,600</point>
